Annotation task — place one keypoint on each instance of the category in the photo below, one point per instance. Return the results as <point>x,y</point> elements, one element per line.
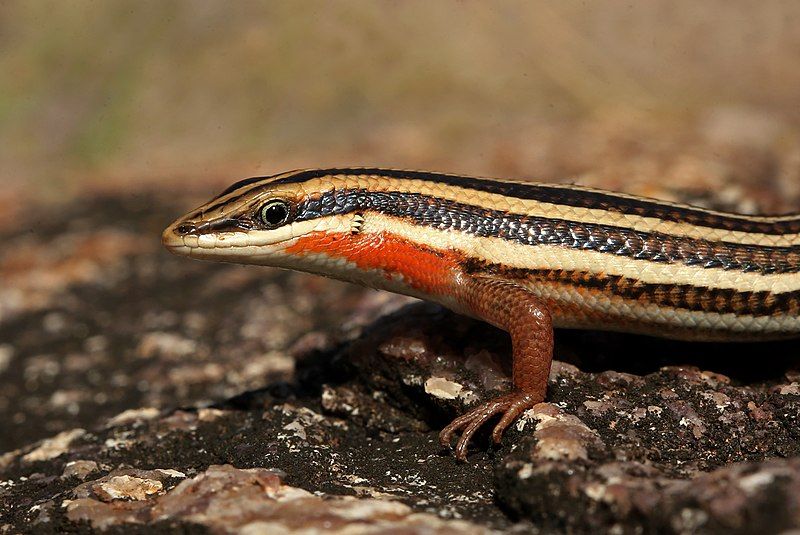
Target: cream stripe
<point>517,255</point>
<point>223,241</point>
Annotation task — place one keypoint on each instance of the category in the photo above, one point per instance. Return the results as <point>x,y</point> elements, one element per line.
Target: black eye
<point>274,214</point>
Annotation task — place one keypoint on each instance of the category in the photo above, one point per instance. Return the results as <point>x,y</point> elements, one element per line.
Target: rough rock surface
<point>145,393</point>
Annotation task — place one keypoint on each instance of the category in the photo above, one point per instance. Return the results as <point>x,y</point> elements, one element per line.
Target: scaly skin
<point>523,257</point>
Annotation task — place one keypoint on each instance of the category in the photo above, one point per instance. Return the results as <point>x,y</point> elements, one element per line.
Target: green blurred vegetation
<point>150,89</point>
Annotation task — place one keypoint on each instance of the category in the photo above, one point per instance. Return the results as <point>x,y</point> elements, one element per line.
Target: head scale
<point>259,219</point>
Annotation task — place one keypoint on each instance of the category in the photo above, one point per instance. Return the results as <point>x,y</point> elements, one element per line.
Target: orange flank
<point>421,267</point>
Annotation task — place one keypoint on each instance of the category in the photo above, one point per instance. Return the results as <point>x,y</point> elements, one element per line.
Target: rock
<point>133,415</point>
<point>560,436</point>
<point>231,500</point>
<point>53,447</point>
<point>442,388</point>
<point>102,516</point>
<point>80,469</point>
<point>736,498</point>
<point>126,487</point>
<point>327,399</point>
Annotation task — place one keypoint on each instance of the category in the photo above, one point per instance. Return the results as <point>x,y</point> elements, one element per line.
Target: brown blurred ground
<point>181,92</point>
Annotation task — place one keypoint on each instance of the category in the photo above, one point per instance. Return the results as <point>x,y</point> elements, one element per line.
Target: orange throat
<point>424,269</point>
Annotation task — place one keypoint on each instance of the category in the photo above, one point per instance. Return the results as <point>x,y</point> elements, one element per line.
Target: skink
<point>524,257</point>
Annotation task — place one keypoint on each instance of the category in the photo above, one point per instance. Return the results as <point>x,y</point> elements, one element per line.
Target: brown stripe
<point>678,296</point>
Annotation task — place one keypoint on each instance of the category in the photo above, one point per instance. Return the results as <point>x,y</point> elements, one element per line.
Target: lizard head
<point>263,220</point>
<point>384,229</point>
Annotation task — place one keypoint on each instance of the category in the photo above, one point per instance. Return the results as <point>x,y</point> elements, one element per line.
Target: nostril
<point>185,229</point>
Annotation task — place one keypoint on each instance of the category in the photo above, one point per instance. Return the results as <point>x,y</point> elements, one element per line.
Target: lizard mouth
<point>213,238</point>
<point>190,238</point>
<point>173,238</point>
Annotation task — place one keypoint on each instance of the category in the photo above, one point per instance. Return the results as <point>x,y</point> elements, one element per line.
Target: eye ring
<point>274,213</point>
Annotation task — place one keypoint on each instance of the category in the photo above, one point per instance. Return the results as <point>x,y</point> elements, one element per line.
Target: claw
<point>510,406</point>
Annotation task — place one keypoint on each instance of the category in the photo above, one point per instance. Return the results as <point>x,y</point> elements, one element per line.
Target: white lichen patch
<point>297,429</point>
<point>208,414</point>
<point>412,380</point>
<point>526,471</point>
<point>127,488</point>
<point>442,388</point>
<point>133,415</point>
<point>597,492</point>
<point>561,436</point>
<point>117,443</point>
<point>53,447</point>
<point>752,483</point>
<point>80,469</point>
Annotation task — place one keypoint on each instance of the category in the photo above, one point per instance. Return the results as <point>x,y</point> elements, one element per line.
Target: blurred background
<point>118,116</point>
<point>130,93</point>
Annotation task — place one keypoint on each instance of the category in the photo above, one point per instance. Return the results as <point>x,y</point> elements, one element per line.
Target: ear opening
<point>358,221</point>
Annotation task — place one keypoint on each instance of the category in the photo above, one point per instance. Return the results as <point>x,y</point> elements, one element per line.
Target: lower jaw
<point>237,255</point>
<point>180,250</point>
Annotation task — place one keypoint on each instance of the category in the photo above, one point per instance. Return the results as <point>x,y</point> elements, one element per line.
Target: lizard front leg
<point>526,318</point>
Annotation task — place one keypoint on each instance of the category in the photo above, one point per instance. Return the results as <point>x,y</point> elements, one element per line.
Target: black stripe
<point>620,241</point>
<point>233,187</point>
<point>570,197</point>
<point>241,184</point>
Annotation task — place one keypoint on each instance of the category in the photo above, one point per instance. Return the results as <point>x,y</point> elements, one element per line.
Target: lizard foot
<point>510,406</point>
